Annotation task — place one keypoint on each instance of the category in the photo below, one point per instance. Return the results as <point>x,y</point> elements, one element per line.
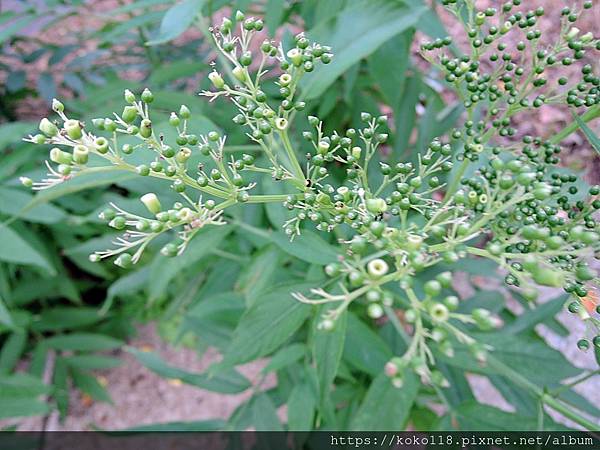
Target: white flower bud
<point>57,106</point>
<point>151,202</point>
<point>239,73</point>
<point>216,79</point>
<point>377,268</point>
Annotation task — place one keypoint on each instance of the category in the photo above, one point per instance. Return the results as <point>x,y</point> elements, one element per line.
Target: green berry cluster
<point>395,221</point>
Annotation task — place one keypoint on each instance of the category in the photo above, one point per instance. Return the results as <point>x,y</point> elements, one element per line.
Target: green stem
<point>547,399</point>
<point>589,115</point>
<point>291,155</point>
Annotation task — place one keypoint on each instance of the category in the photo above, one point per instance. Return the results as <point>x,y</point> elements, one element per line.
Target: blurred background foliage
<point>59,313</point>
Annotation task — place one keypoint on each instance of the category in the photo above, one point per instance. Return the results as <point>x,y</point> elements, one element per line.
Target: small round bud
<point>129,96</point>
<point>147,96</point>
<point>129,114</point>
<point>57,106</point>
<point>377,268</point>
<point>26,181</point>
<point>124,260</point>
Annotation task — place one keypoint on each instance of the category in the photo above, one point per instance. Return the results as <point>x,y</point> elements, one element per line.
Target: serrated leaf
<point>374,21</point>
<point>176,20</point>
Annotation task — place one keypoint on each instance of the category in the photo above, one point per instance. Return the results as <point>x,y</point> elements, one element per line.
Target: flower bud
<point>48,128</point>
<point>184,112</point>
<point>356,152</point>
<point>216,79</point>
<point>57,106</point>
<point>183,155</point>
<point>239,16</point>
<point>375,311</point>
<point>239,73</point>
<point>151,202</point>
<point>101,145</point>
<point>129,114</point>
<point>587,37</point>
<point>376,205</point>
<point>281,123</point>
<point>147,96</point>
<point>174,120</point>
<point>572,33</point>
<point>377,268</point>
<point>26,181</point>
<point>146,128</point>
<point>80,154</point>
<point>129,96</point>
<point>73,129</point>
<point>124,260</point>
<point>226,25</point>
<point>60,157</point>
<point>295,56</point>
<point>285,79</point>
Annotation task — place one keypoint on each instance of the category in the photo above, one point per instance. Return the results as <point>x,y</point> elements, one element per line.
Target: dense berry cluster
<point>516,207</point>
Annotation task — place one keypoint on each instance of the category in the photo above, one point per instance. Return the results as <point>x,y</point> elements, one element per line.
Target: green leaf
<point>5,317</point>
<point>13,201</point>
<point>530,318</point>
<point>364,349</point>
<point>89,384</point>
<point>11,351</point>
<point>284,357</point>
<point>65,318</point>
<point>271,320</point>
<point>472,416</point>
<point>17,250</point>
<point>274,12</point>
<point>94,178</point>
<point>328,347</point>
<point>529,356</point>
<point>309,247</point>
<point>229,382</point>
<point>264,414</point>
<point>386,407</point>
<point>22,407</point>
<point>388,66</point>
<point>177,19</point>
<point>259,274</point>
<point>174,71</point>
<point>164,269</point>
<point>9,30</point>
<point>589,134</point>
<point>22,385</point>
<point>201,425</point>
<point>214,318</point>
<point>86,342</point>
<point>301,408</point>
<point>354,34</point>
<point>92,362</point>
